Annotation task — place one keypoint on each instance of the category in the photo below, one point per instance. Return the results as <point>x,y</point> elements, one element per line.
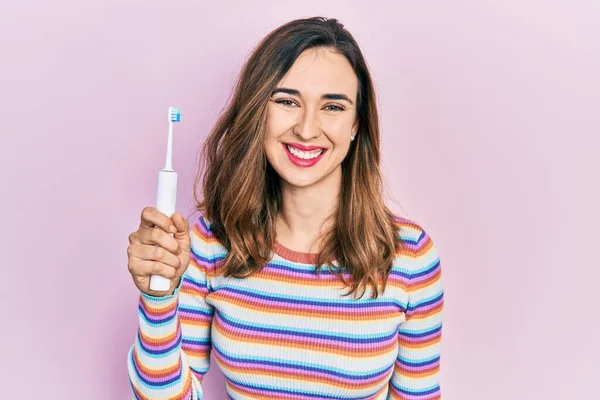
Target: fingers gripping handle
<point>166,199</point>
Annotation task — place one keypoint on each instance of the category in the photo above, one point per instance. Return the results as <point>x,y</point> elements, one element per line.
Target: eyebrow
<point>326,96</point>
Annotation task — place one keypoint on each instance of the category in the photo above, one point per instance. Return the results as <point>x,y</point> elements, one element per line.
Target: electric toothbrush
<point>166,195</point>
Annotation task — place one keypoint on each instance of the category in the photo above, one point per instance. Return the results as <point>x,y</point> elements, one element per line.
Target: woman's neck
<point>304,217</point>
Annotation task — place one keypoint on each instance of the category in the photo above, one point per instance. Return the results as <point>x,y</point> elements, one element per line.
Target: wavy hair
<point>241,191</point>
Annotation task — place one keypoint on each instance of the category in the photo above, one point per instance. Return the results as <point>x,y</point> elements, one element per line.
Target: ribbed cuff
<point>163,301</point>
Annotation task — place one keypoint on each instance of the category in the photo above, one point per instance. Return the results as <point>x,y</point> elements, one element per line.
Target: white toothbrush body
<point>166,195</point>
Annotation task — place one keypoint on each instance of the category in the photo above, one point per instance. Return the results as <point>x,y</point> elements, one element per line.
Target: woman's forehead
<point>318,71</point>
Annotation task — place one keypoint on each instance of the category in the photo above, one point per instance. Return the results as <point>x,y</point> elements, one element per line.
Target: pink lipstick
<point>302,162</point>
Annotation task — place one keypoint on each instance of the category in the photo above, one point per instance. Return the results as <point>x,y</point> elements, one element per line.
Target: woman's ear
<point>354,130</point>
<point>355,127</point>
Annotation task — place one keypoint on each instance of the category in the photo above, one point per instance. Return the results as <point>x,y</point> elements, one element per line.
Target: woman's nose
<point>308,126</point>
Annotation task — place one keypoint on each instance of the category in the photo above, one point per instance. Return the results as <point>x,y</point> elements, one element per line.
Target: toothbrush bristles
<point>174,114</point>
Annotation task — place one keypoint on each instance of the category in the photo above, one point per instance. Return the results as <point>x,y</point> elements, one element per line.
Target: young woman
<point>295,275</point>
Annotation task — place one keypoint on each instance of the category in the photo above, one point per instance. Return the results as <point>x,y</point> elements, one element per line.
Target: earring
<point>351,138</point>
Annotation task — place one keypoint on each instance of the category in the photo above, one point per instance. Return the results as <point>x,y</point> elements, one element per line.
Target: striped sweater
<point>287,332</point>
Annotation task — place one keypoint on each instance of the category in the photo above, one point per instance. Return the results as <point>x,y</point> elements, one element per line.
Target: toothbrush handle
<point>166,198</point>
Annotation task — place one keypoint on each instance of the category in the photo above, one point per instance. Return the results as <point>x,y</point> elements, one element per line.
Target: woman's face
<point>310,118</point>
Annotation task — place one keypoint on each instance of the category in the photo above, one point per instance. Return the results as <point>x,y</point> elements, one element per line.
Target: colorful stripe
<point>287,332</point>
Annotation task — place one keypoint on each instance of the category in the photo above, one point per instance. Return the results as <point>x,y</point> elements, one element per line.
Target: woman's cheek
<point>338,129</point>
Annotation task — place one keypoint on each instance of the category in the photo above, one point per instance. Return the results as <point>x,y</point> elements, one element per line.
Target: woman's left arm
<point>416,370</point>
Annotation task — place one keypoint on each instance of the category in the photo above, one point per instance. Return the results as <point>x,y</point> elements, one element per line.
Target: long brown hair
<point>242,193</point>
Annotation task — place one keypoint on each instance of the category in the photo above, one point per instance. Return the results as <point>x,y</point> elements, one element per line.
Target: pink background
<point>490,116</point>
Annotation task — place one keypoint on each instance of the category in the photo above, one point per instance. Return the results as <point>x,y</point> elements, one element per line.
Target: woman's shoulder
<point>409,230</point>
<point>416,245</point>
<point>202,237</point>
<point>200,225</point>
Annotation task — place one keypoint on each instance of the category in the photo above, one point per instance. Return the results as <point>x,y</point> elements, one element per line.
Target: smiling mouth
<point>303,154</point>
<point>303,158</point>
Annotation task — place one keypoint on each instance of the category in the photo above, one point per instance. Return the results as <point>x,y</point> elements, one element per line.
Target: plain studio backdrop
<point>490,121</point>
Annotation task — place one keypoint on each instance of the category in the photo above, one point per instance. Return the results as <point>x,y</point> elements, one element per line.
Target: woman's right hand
<point>153,251</point>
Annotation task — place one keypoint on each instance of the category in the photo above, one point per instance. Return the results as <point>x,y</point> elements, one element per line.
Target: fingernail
<point>173,229</point>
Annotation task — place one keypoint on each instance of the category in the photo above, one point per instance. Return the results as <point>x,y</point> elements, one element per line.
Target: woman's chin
<point>298,182</point>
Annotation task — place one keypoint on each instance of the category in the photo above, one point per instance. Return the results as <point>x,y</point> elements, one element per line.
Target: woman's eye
<point>285,102</point>
<point>333,107</point>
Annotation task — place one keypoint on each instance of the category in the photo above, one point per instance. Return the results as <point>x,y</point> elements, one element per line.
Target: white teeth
<point>304,154</point>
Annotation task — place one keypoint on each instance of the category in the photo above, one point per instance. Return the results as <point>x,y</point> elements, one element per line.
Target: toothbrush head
<point>174,114</point>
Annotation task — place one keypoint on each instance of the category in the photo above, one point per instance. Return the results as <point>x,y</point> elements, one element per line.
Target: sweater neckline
<point>293,255</point>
